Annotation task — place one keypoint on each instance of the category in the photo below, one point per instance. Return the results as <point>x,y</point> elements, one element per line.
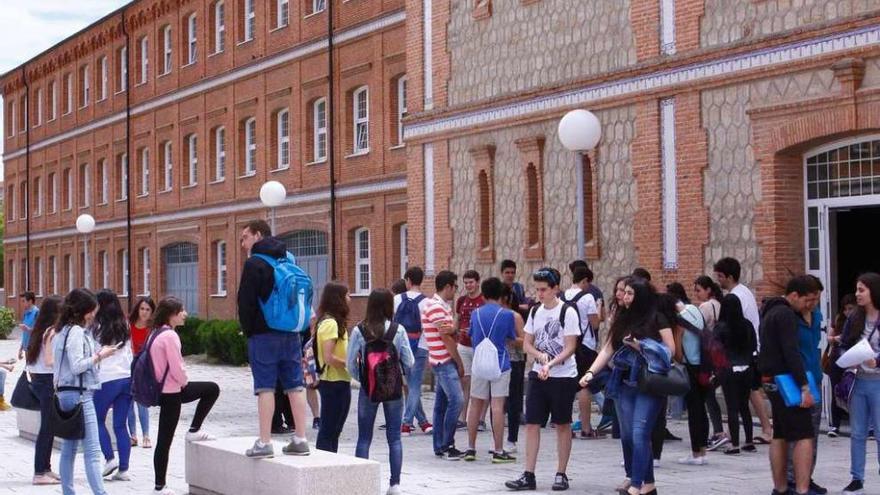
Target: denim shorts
<point>276,357</point>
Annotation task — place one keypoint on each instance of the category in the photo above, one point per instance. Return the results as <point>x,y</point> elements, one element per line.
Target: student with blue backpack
<point>274,307</point>
<point>408,309</point>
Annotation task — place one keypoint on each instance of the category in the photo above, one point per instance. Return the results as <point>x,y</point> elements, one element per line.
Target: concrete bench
<point>28,423</point>
<point>220,467</point>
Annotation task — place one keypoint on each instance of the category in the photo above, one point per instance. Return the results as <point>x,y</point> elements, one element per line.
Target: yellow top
<point>328,329</point>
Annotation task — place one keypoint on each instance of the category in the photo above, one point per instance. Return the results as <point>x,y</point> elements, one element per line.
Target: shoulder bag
<point>69,425</point>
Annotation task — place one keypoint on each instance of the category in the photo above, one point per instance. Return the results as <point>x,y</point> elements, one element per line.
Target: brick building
<point>743,128</point>
<point>164,119</point>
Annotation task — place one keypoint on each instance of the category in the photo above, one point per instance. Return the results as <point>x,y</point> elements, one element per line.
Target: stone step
<point>220,468</point>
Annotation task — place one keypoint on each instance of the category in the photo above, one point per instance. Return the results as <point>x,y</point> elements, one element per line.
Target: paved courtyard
<point>594,467</point>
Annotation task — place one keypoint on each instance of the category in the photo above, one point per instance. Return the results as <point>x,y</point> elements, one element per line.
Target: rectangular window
<point>192,158</point>
<point>404,252</point>
<point>68,93</point>
<point>219,154</point>
<point>282,10</point>
<point>123,271</point>
<point>23,112</point>
<point>122,72</point>
<point>53,193</point>
<point>85,86</point>
<point>38,187</point>
<point>669,195</point>
<point>102,80</point>
<point>53,100</point>
<point>105,181</point>
<point>361,121</point>
<point>145,171</point>
<point>10,119</point>
<point>166,49</point>
<point>145,262</point>
<point>38,271</point>
<point>250,139</point>
<point>282,130</point>
<point>192,39</point>
<point>320,127</point>
<point>84,186</point>
<point>167,165</point>
<point>401,107</point>
<point>10,196</point>
<point>105,269</point>
<point>68,189</point>
<point>362,261</point>
<point>250,20</point>
<point>122,173</point>
<point>14,282</point>
<point>318,6</point>
<point>144,49</point>
<point>39,104</point>
<point>219,26</point>
<point>22,198</point>
<point>221,268</point>
<point>53,272</point>
<point>68,268</point>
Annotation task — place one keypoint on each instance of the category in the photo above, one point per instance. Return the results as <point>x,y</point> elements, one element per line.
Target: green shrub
<point>224,341</point>
<point>7,322</point>
<point>190,341</point>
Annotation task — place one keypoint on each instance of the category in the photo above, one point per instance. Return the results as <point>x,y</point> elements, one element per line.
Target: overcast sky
<point>27,27</point>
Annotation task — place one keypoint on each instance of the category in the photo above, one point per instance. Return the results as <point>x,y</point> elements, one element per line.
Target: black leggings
<point>714,412</point>
<point>658,434</point>
<point>698,422</point>
<point>736,387</point>
<point>169,415</point>
<point>515,399</point>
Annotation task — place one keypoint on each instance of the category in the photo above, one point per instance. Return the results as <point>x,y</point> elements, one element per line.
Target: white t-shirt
<point>423,344</point>
<point>586,306</point>
<point>550,337</point>
<point>750,308</point>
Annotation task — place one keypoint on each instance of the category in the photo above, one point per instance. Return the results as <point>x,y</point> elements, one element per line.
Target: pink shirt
<point>165,352</point>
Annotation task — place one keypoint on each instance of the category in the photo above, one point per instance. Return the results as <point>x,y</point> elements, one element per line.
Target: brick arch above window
<point>484,166</point>
<point>532,155</point>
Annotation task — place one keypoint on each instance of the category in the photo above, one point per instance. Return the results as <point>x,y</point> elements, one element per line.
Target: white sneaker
<point>199,436</point>
<point>394,490</point>
<point>164,491</point>
<point>693,461</point>
<point>121,476</point>
<point>110,467</point>
<point>510,447</point>
<point>656,463</point>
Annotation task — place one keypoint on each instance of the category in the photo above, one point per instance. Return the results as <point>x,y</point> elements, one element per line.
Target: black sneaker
<point>560,483</point>
<point>470,455</point>
<point>817,488</point>
<point>524,482</point>
<point>440,453</point>
<point>855,487</point>
<point>502,458</point>
<point>749,448</point>
<point>316,424</point>
<point>732,451</point>
<point>453,454</point>
<point>833,432</point>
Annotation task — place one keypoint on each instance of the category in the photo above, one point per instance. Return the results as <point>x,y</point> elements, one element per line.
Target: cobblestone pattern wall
<point>733,178</point>
<point>727,21</point>
<point>498,54</point>
<point>617,199</point>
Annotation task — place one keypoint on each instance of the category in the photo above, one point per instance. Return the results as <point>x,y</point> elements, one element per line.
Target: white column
<point>667,27</point>
<point>669,194</point>
<point>428,157</point>
<point>428,66</point>
<point>579,204</point>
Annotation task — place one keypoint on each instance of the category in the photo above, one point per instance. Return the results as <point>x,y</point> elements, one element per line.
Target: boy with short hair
<point>28,319</point>
<point>464,306</point>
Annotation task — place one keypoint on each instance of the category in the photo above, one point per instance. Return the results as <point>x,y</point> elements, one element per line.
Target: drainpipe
<point>27,178</point>
<point>330,138</point>
<point>128,160</point>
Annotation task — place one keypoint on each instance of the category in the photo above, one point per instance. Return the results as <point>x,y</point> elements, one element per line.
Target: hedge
<point>190,341</point>
<point>223,341</point>
<point>7,322</point>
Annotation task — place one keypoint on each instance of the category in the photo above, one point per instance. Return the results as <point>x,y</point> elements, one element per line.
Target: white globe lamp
<point>85,224</point>
<point>272,193</point>
<point>580,130</point>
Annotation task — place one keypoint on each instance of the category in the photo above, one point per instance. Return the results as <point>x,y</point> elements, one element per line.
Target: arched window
<point>533,207</point>
<point>485,198</point>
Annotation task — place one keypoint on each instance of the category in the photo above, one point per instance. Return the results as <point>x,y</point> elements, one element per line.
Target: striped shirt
<point>436,312</point>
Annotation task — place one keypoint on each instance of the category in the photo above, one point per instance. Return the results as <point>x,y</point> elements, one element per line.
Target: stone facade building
<point>743,128</point>
<point>163,120</point>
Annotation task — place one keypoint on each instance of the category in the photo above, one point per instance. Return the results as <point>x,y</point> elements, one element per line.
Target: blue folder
<point>791,392</point>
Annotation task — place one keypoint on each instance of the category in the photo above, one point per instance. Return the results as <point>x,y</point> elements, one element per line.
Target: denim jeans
<point>637,413</point>
<point>414,386</point>
<point>367,418</point>
<point>515,399</point>
<point>864,410</point>
<point>91,446</point>
<point>115,393</point>
<point>41,385</point>
<point>143,414</point>
<point>447,404</point>
<point>335,403</point>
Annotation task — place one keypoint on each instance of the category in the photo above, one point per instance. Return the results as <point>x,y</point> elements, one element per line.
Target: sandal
<point>591,435</point>
<point>146,443</point>
<point>134,441</point>
<point>760,440</point>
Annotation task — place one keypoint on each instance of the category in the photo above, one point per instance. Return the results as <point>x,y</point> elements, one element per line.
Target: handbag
<point>844,389</point>
<point>69,425</point>
<point>674,382</point>
<point>23,396</point>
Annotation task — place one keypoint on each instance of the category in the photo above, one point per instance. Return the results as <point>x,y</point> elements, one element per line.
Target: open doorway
<point>855,247</point>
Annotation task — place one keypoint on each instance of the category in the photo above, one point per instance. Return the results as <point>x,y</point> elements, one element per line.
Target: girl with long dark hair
<point>39,365</point>
<point>77,360</point>
<point>517,371</point>
<point>331,338</point>
<point>635,321</point>
<point>707,295</point>
<point>177,390</point>
<point>376,323</point>
<point>111,329</point>
<point>736,334</point>
<point>864,405</point>
<point>139,321</point>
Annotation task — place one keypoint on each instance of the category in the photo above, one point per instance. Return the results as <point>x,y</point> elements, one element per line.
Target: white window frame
<point>282,20</point>
<point>166,50</point>
<point>361,121</point>
<point>282,130</point>
<point>38,269</point>
<point>105,181</point>
<point>320,131</point>
<point>192,38</point>
<point>250,146</point>
<point>145,171</point>
<point>87,186</point>
<point>10,126</point>
<point>360,262</point>
<point>54,177</point>
<point>318,6</point>
<point>102,64</point>
<point>53,268</point>
<point>86,89</point>
<point>53,94</point>
<point>123,177</point>
<point>401,107</point>
<point>146,270</point>
<point>39,188</point>
<point>12,200</point>
<point>125,287</point>
<point>69,95</point>
<point>39,98</point>
<point>70,189</point>
<point>22,197</point>
<point>404,252</point>
<point>219,154</point>
<point>193,158</point>
<point>145,59</point>
<point>221,268</point>
<point>250,20</point>
<point>105,270</point>
<point>71,274</point>
<point>14,293</point>
<point>123,69</point>
<point>219,26</point>
<point>168,167</point>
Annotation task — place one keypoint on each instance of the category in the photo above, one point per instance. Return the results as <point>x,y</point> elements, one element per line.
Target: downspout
<point>330,144</point>
<point>27,178</point>
<point>128,159</point>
